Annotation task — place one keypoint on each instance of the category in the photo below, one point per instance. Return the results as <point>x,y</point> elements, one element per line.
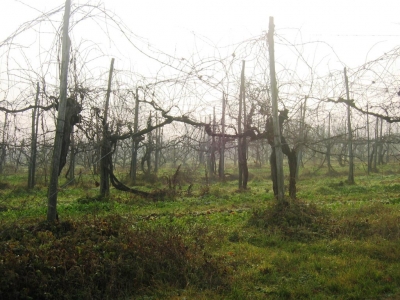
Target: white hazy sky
<point>357,30</point>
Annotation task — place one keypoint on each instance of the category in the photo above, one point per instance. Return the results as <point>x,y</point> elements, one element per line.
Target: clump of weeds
<point>295,219</point>
<point>104,258</point>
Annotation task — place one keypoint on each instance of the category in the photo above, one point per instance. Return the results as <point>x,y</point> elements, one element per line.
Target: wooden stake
<point>32,160</point>
<point>105,147</point>
<point>275,116</point>
<point>350,133</point>
<point>52,193</point>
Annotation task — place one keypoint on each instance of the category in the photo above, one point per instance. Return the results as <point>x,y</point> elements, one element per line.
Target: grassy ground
<point>337,241</point>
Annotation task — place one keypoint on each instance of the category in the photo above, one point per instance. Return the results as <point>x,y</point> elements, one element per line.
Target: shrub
<point>295,219</point>
<point>104,258</point>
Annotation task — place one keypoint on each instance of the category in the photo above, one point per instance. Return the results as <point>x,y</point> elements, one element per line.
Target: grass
<point>337,241</point>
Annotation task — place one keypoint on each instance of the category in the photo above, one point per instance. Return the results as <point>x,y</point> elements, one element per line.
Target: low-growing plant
<point>295,219</point>
<point>88,199</point>
<point>4,185</point>
<point>102,259</point>
<point>338,241</point>
<point>204,190</point>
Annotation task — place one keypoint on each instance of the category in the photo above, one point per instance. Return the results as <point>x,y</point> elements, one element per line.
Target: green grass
<point>338,241</point>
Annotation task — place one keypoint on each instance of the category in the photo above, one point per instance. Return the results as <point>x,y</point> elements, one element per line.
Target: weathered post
<point>135,141</point>
<point>105,145</point>
<point>221,168</point>
<point>277,133</point>
<point>350,133</point>
<point>241,155</point>
<point>32,160</point>
<point>52,193</point>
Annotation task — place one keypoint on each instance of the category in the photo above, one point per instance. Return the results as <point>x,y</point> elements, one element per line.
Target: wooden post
<point>275,117</point>
<point>380,144</point>
<point>157,147</point>
<point>106,147</point>
<point>149,148</point>
<point>240,131</point>
<point>209,151</point>
<point>32,160</point>
<point>71,168</point>
<point>302,134</point>
<point>328,150</point>
<point>3,143</point>
<point>245,169</point>
<point>375,146</point>
<point>135,141</point>
<point>368,143</point>
<point>213,146</point>
<point>388,130</point>
<point>221,168</point>
<point>52,192</point>
<point>350,133</point>
<point>202,145</point>
<point>108,91</point>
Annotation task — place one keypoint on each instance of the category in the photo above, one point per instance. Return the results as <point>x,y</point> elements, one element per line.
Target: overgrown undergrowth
<point>337,241</point>
<point>294,220</point>
<point>106,258</point>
